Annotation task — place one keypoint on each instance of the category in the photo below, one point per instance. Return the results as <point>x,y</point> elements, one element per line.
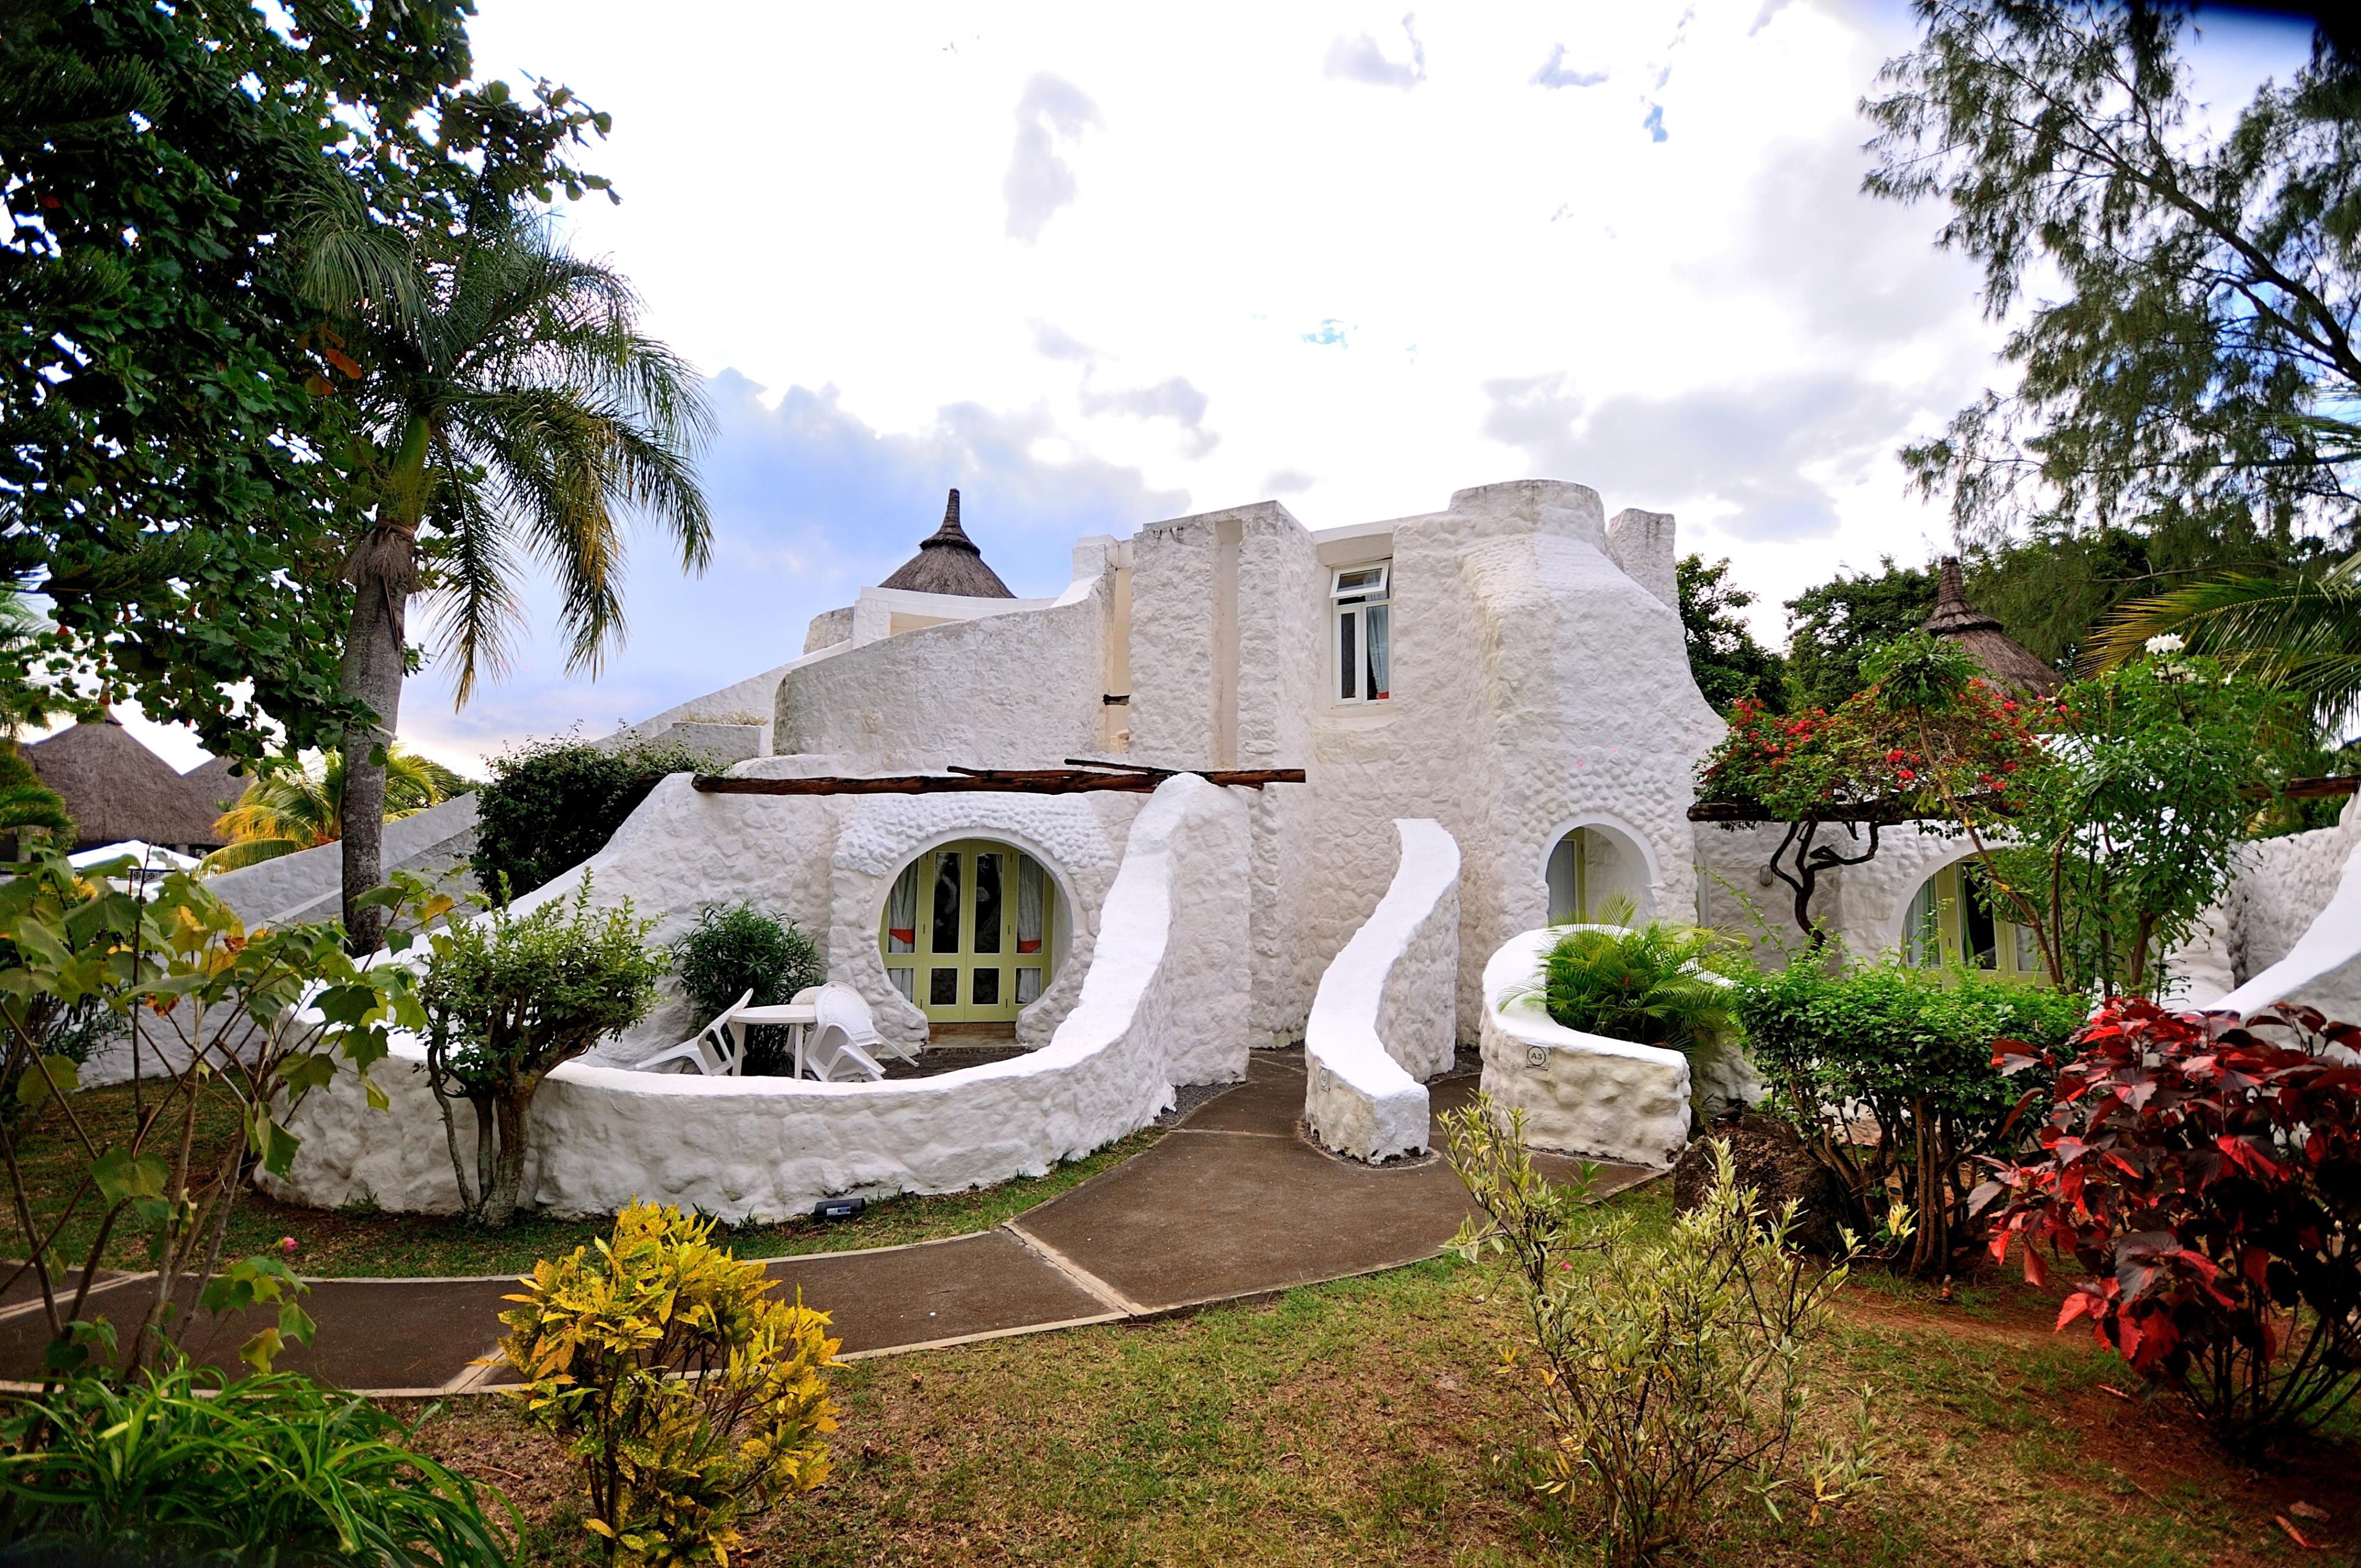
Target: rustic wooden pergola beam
<point>1005,781</point>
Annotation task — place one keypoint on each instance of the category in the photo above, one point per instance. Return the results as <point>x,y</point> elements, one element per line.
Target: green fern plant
<point>1649,984</point>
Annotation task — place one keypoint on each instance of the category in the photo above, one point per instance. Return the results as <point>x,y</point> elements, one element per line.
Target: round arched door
<point>966,934</point>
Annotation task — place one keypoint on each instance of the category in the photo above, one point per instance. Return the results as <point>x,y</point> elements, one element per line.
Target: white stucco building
<point>1493,715</point>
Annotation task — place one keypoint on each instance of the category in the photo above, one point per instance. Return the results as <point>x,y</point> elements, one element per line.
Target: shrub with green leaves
<point>272,1467</point>
<point>218,1015</point>
<point>736,949</point>
<point>1650,985</point>
<point>552,805</point>
<point>1668,1373</point>
<point>1909,1053</point>
<point>509,998</point>
<point>690,1399</point>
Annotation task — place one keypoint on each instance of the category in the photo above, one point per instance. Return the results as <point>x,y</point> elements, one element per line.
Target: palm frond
<point>302,805</point>
<point>34,805</point>
<point>2300,632</point>
<point>248,852</point>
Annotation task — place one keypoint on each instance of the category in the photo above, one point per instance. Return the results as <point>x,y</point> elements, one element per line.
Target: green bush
<point>270,1467</point>
<point>736,949</point>
<point>508,999</point>
<point>1665,1370</point>
<point>1644,986</point>
<point>1909,1052</point>
<point>552,805</point>
<point>690,1401</point>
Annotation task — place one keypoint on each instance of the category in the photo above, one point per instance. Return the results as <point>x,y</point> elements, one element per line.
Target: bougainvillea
<point>1928,738</point>
<point>1929,735</point>
<point>2207,1175</point>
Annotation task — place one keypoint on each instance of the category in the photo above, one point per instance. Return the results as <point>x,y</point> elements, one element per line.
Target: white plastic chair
<point>712,1050</point>
<point>837,1047</point>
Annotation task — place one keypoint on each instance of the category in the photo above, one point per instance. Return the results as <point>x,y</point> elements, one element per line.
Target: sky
<point>1098,266</point>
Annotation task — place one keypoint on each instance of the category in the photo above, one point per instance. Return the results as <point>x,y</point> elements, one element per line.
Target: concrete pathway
<point>1232,1203</point>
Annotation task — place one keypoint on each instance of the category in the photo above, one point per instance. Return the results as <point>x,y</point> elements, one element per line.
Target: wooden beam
<point>1004,781</point>
<point>2325,788</point>
<point>1743,811</point>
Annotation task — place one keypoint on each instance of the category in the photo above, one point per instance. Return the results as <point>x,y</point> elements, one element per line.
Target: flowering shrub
<point>2208,1177</point>
<point>1926,732</point>
<point>1927,738</point>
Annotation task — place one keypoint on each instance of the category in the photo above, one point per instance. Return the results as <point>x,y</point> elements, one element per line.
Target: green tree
<point>1724,658</point>
<point>552,805</point>
<point>510,406</point>
<point>1832,629</point>
<point>184,186</point>
<point>508,999</point>
<point>2193,368</point>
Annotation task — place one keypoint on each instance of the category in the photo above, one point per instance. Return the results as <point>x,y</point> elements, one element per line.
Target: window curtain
<point>902,912</point>
<point>1377,634</point>
<point>1032,905</point>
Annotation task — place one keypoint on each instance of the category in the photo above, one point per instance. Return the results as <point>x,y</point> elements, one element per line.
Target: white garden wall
<point>1581,1093</point>
<point>1386,1014</point>
<point>1163,999</point>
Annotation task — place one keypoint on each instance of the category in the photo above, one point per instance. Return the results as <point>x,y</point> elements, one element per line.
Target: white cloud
<point>1554,73</point>
<point>1052,115</point>
<point>1286,482</point>
<point>1174,399</point>
<point>1362,59</point>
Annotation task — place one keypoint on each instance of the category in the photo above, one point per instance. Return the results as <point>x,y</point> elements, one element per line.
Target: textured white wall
<point>1006,690</point>
<point>1161,991</point>
<point>1581,1093</point>
<point>1385,1013</point>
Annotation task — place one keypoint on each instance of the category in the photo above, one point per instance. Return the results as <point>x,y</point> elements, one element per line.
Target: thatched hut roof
<point>949,563</point>
<point>2008,662</point>
<point>117,789</point>
<point>216,787</point>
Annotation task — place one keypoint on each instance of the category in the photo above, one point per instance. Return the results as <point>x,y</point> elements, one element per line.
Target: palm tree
<point>510,409</point>
<point>300,807</point>
<point>2300,630</point>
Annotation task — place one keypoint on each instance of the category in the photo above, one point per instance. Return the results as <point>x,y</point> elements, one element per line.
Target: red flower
<point>2008,708</point>
<point>1905,775</point>
<point>1894,756</point>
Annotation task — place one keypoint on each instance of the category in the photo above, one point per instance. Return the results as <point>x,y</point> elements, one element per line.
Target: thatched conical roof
<point>2008,662</point>
<point>216,787</point>
<point>949,563</point>
<point>117,789</point>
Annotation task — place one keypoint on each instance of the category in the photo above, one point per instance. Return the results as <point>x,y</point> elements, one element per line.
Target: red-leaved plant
<point>2208,1175</point>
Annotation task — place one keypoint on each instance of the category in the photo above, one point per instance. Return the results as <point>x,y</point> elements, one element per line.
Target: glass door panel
<point>982,951</point>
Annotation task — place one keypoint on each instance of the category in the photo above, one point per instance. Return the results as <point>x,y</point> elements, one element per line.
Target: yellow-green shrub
<point>690,1401</point>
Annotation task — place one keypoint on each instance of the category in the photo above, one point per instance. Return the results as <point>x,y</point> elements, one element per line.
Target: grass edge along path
<point>362,1242</point>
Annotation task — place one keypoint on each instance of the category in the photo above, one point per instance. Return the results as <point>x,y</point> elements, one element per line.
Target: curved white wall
<point>1386,1012</point>
<point>1581,1093</point>
<point>1165,999</point>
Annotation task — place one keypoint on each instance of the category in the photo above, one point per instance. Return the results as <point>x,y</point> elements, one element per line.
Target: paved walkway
<point>1232,1203</point>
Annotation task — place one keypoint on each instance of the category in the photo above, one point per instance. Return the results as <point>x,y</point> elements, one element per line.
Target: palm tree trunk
<point>382,571</point>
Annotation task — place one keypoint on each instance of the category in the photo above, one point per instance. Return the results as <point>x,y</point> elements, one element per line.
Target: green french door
<point>965,932</point>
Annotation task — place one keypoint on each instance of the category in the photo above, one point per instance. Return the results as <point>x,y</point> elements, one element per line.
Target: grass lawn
<point>354,1243</point>
<point>1360,1423</point>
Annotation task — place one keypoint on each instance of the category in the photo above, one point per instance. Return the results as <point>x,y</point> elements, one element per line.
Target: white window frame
<point>1352,595</point>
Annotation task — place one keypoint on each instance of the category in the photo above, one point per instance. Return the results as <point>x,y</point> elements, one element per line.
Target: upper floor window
<point>1364,633</point>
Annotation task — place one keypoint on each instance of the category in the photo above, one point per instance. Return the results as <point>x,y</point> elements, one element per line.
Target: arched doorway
<point>1953,920</point>
<point>969,932</point>
<point>1594,872</point>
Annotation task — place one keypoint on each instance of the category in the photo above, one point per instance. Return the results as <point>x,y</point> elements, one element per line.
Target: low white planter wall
<point>1162,991</point>
<point>1386,1014</point>
<point>1581,1093</point>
